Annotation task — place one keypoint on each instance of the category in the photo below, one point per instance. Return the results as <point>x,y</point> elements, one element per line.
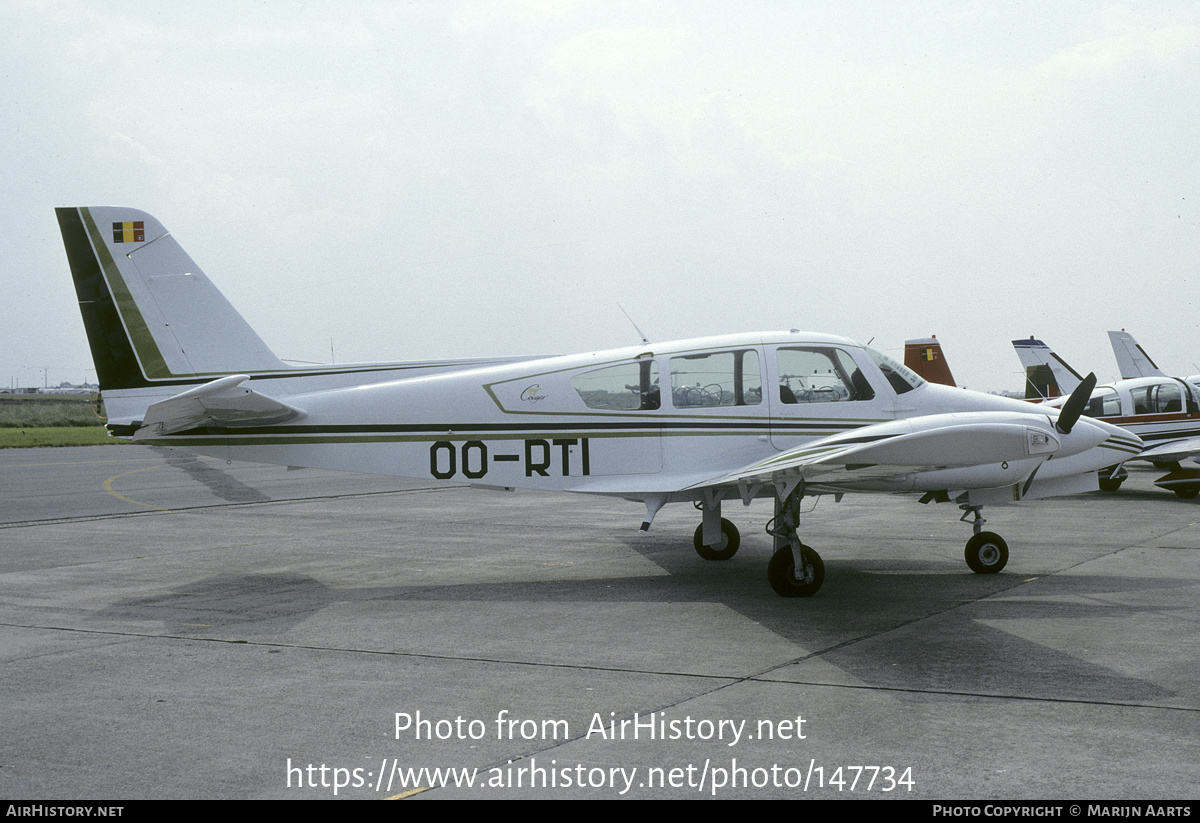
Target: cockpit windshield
<point>901,378</point>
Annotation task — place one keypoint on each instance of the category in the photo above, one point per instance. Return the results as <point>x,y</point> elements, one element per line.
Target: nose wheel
<point>986,553</point>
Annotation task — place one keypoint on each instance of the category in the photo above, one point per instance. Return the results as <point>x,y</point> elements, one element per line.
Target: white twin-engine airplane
<point>777,415</point>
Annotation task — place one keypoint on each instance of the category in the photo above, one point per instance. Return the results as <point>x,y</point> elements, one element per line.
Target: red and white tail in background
<point>924,356</point>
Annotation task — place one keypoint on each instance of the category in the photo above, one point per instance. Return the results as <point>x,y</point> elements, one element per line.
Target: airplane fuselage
<point>1154,408</point>
<point>641,421</point>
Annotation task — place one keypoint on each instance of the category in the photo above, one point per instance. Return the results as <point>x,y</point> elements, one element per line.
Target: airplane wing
<point>977,450</point>
<point>222,402</point>
<point>1132,359</point>
<point>1173,452</point>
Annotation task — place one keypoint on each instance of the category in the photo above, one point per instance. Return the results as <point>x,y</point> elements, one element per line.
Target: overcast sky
<point>387,181</point>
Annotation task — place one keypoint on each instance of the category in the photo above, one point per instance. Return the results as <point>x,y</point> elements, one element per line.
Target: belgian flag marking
<point>134,232</point>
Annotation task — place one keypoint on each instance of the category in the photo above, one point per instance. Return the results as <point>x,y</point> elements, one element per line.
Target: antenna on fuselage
<point>641,333</point>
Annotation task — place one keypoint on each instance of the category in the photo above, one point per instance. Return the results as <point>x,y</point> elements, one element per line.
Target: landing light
<point>1040,442</point>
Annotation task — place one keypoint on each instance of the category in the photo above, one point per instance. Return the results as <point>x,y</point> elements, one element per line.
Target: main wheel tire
<point>1187,492</point>
<point>1110,485</point>
<point>986,553</point>
<point>781,573</point>
<point>732,541</point>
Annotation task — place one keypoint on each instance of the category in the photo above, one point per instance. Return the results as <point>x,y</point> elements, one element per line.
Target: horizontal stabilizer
<point>223,402</point>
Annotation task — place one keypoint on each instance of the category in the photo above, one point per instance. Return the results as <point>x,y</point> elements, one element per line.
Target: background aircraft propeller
<point>1075,403</point>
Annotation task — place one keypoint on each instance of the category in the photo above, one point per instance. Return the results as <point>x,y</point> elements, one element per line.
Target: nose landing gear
<point>986,552</point>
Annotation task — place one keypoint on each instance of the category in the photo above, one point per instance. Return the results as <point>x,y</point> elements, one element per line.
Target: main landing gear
<point>1184,482</point>
<point>795,570</point>
<point>986,552</point>
<point>724,548</point>
<point>716,538</point>
<point>1112,477</point>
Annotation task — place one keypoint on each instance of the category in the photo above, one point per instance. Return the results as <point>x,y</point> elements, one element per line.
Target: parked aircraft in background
<point>1132,360</point>
<point>778,415</point>
<point>924,356</point>
<point>1163,411</point>
<point>1046,374</point>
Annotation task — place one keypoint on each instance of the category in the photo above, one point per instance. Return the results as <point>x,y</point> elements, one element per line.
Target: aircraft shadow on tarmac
<point>221,483</point>
<point>916,626</point>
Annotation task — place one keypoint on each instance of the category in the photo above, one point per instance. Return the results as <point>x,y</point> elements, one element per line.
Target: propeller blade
<point>1069,416</point>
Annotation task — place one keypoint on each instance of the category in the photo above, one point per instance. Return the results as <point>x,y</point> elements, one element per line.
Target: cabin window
<point>728,378</point>
<point>627,387</point>
<point>1163,398</point>
<point>1104,403</point>
<point>820,375</point>
<point>900,377</point>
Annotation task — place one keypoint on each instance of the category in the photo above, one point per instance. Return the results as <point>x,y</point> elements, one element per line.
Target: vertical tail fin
<point>1132,359</point>
<point>151,315</point>
<point>1046,374</point>
<point>924,356</point>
